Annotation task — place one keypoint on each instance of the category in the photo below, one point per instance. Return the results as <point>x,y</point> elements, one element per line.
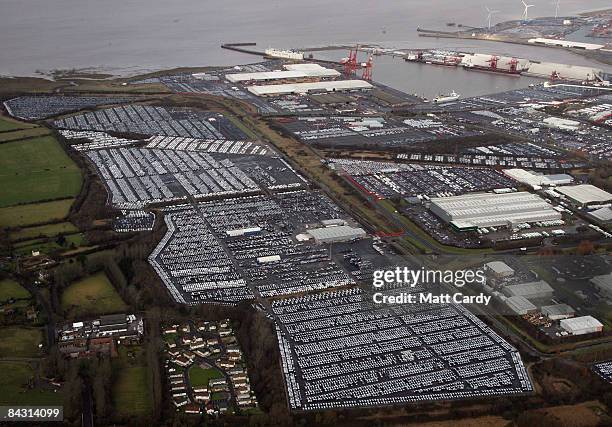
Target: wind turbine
<point>556,3</point>
<point>489,14</point>
<point>526,11</point>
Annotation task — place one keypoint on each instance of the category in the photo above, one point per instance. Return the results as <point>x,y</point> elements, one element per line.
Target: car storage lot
<point>346,131</point>
<point>217,250</point>
<point>149,120</point>
<point>136,177</point>
<point>340,350</point>
<point>385,180</point>
<point>42,106</point>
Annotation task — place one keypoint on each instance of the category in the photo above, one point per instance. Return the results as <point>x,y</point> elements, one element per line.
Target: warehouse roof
<point>558,310</point>
<point>604,281</point>
<point>602,214</point>
<point>338,232</point>
<point>290,72</point>
<point>330,86</point>
<point>528,289</point>
<point>583,322</point>
<point>491,209</point>
<point>531,178</point>
<point>586,193</point>
<point>499,267</point>
<point>520,305</point>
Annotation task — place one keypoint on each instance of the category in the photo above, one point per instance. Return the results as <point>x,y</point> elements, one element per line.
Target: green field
<point>35,213</point>
<point>199,377</point>
<point>14,391</point>
<point>7,124</point>
<point>36,169</point>
<point>17,341</point>
<point>92,295</point>
<point>22,134</point>
<point>11,289</point>
<point>43,231</point>
<point>131,394</point>
<point>47,245</point>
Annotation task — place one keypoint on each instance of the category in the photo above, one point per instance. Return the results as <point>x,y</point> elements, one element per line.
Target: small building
<point>499,269</point>
<point>585,194</point>
<point>602,215</point>
<point>558,311</point>
<point>530,290</point>
<point>581,325</point>
<point>340,233</point>
<point>520,305</point>
<point>561,124</point>
<point>603,284</point>
<point>535,180</point>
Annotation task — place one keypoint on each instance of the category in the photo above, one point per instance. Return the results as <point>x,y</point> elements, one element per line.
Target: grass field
<point>13,387</point>
<point>43,231</point>
<point>47,245</point>
<point>36,169</point>
<point>35,213</point>
<point>11,289</point>
<point>17,341</point>
<point>92,295</point>
<point>131,392</point>
<point>7,124</point>
<point>199,377</point>
<point>22,134</point>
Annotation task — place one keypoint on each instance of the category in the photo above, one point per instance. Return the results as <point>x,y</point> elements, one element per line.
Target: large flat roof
<point>491,209</point>
<point>530,178</point>
<point>585,193</point>
<point>331,86</point>
<point>292,71</point>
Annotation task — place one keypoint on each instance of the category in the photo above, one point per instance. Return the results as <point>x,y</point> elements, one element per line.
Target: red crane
<point>555,76</point>
<point>513,65</point>
<point>350,66</point>
<point>493,62</point>
<point>367,70</point>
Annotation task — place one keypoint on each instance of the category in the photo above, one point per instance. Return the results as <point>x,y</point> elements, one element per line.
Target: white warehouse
<point>301,88</point>
<point>581,325</point>
<point>478,210</point>
<point>291,71</point>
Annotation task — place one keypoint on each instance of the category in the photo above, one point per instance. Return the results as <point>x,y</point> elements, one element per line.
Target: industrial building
<point>520,305</point>
<point>530,290</point>
<point>561,124</point>
<point>555,71</point>
<point>291,71</point>
<point>565,43</point>
<point>499,269</point>
<point>581,325</point>
<point>472,211</point>
<point>603,284</point>
<point>536,181</point>
<point>558,311</point>
<point>340,233</point>
<point>585,194</point>
<point>304,88</point>
<point>602,215</point>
